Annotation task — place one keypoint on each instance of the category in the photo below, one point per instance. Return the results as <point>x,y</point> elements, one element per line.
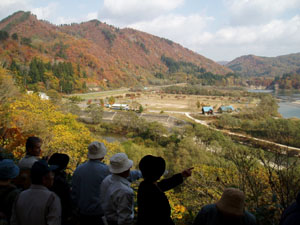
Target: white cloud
<point>274,38</point>
<point>92,16</point>
<point>179,28</point>
<point>245,12</point>
<point>277,6</point>
<point>66,20</point>
<point>6,3</point>
<point>8,7</point>
<point>122,12</point>
<point>83,18</point>
<point>46,12</point>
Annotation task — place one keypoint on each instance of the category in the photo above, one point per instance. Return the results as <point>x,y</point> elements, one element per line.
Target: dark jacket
<point>291,216</point>
<point>62,188</point>
<point>210,215</point>
<point>153,204</point>
<point>7,197</point>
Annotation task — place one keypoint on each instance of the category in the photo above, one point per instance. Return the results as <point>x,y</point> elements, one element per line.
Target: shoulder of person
<point>9,192</point>
<point>144,185</point>
<point>209,208</point>
<point>250,217</point>
<point>52,197</point>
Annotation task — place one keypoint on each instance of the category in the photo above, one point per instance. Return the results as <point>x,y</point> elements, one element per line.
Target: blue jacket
<point>86,183</point>
<point>291,216</point>
<point>210,215</point>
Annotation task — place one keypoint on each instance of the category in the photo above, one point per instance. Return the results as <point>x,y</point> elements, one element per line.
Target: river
<point>289,102</point>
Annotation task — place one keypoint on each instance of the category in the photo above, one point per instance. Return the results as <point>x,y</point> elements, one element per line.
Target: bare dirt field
<point>188,103</point>
<point>153,101</point>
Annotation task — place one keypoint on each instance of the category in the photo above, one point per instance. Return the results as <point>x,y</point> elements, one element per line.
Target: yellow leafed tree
<point>60,132</point>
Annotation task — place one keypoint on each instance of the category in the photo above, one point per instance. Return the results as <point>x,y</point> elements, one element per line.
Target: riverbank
<point>296,102</point>
<point>289,102</point>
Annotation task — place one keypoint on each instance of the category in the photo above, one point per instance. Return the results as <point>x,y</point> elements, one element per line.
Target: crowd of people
<point>36,192</point>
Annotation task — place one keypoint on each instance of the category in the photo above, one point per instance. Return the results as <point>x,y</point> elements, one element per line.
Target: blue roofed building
<point>227,108</point>
<point>207,110</point>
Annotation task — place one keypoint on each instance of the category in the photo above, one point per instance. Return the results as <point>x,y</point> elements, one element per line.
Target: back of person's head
<point>8,169</point>
<point>31,143</point>
<point>152,167</point>
<point>40,171</point>
<point>96,150</point>
<point>232,202</point>
<point>59,159</point>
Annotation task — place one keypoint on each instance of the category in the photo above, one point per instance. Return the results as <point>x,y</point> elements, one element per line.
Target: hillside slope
<point>108,56</point>
<point>252,65</point>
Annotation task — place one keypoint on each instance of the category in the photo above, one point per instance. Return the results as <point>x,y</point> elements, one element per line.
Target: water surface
<point>288,107</point>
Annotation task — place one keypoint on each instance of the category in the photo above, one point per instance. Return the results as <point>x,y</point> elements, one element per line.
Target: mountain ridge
<point>252,65</point>
<point>120,57</point>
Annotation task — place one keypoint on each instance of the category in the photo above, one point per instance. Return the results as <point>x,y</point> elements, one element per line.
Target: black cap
<point>59,159</point>
<point>41,168</point>
<point>152,167</point>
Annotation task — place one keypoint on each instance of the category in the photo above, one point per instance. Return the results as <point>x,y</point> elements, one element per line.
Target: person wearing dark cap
<point>38,205</point>
<point>60,185</point>
<point>228,210</point>
<point>153,204</point>
<point>8,192</point>
<point>116,194</point>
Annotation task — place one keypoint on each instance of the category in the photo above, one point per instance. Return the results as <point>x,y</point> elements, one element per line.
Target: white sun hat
<point>97,150</point>
<point>119,163</point>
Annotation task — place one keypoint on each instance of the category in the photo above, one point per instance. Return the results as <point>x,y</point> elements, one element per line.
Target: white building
<point>120,106</point>
<point>43,96</point>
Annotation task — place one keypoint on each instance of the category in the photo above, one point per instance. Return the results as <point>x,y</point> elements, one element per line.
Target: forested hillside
<point>288,81</point>
<point>71,58</point>
<point>252,65</point>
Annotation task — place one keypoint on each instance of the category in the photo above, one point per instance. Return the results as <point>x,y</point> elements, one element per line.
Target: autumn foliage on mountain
<point>251,65</point>
<point>100,55</point>
<point>288,81</point>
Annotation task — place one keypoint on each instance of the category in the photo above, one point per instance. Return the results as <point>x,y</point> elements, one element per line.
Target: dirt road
<point>290,148</point>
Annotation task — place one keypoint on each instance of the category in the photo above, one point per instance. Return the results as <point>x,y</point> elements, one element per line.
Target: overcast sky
<point>216,29</point>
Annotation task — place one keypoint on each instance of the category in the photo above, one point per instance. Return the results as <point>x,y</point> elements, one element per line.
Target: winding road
<point>290,148</point>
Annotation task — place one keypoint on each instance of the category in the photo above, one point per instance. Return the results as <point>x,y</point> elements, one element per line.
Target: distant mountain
<point>252,65</point>
<point>99,54</point>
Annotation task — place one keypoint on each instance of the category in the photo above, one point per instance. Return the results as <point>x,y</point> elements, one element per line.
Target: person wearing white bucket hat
<point>116,193</point>
<point>86,182</point>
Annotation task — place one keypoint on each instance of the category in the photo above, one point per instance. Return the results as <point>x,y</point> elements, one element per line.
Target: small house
<point>227,109</point>
<point>43,96</point>
<point>207,110</point>
<point>120,106</point>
